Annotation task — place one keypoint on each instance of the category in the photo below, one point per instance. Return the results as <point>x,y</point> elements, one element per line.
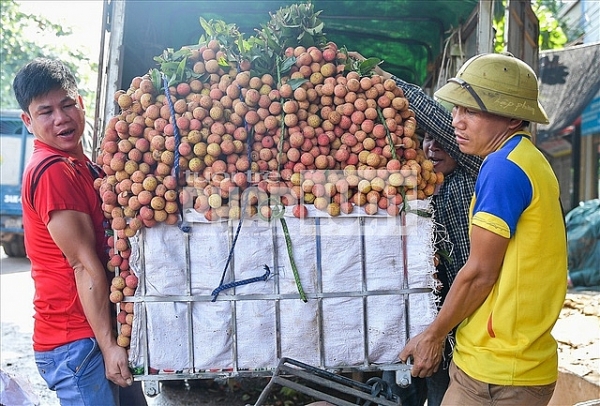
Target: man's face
<point>58,120</point>
<point>480,133</point>
<point>442,161</point>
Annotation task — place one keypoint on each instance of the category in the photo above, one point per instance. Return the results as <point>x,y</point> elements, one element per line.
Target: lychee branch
<point>387,132</point>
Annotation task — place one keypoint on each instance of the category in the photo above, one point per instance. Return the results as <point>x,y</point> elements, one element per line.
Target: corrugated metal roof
<point>568,82</point>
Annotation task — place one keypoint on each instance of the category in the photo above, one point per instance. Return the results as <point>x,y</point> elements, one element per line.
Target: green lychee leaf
<point>272,44</point>
<point>182,53</point>
<point>180,72</point>
<point>203,77</point>
<point>243,45</point>
<point>316,30</point>
<point>255,58</point>
<point>223,62</point>
<point>206,26</point>
<point>287,64</point>
<point>368,64</point>
<point>292,25</point>
<point>168,67</point>
<point>296,83</point>
<point>173,80</point>
<point>156,79</point>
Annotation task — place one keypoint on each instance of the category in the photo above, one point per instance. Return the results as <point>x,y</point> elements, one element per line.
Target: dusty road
<point>577,331</point>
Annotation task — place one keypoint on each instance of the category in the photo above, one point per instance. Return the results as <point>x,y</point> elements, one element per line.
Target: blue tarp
<point>583,238</point>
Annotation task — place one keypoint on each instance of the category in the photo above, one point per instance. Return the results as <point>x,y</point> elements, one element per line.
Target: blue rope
<point>262,278</point>
<point>226,286</point>
<point>235,237</point>
<point>175,128</point>
<point>183,225</point>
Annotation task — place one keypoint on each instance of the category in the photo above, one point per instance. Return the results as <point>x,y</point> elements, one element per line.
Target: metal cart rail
<point>327,386</point>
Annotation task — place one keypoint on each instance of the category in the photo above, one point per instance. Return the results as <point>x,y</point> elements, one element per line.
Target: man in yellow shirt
<point>508,295</point>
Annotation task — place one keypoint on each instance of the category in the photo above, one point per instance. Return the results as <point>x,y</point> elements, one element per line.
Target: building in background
<point>570,88</point>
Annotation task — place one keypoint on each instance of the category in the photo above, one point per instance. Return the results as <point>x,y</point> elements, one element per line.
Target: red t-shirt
<point>66,184</point>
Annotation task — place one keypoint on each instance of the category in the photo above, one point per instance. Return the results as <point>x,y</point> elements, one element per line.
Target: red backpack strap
<point>39,171</point>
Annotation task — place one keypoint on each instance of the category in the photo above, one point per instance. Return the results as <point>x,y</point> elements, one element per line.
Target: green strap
<point>288,243</point>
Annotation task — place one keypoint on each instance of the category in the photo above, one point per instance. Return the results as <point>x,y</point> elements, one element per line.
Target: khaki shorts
<point>466,391</point>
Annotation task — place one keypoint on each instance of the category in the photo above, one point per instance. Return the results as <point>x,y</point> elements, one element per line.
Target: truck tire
<point>15,247</point>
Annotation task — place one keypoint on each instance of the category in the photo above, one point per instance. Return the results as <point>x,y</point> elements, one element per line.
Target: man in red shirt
<point>74,340</point>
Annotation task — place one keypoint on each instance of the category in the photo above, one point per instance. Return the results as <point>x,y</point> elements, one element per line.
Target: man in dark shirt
<point>451,214</point>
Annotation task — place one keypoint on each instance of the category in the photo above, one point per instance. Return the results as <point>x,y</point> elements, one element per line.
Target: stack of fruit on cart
<point>236,127</point>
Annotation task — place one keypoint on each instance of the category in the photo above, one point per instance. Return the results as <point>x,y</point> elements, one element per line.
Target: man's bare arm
<point>73,233</point>
<point>471,287</point>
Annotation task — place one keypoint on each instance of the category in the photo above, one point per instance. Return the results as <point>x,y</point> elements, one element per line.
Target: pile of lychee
<point>237,130</point>
<point>317,135</point>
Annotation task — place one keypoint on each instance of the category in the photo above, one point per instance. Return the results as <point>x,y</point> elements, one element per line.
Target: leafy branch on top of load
<point>289,27</point>
<point>295,25</point>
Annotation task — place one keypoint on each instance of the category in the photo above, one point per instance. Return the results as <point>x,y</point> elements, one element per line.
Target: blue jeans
<point>76,372</point>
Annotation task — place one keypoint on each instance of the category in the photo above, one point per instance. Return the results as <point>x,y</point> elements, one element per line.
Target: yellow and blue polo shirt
<point>507,340</point>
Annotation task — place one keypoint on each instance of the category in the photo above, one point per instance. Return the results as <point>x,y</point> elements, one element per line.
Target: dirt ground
<point>577,332</point>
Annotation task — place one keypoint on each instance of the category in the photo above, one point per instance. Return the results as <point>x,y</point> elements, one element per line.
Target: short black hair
<point>39,77</point>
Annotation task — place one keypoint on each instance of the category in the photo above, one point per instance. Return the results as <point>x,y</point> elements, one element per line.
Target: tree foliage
<point>552,31</point>
<point>19,43</point>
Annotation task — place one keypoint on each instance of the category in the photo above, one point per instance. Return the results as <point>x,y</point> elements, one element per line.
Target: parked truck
<point>16,144</point>
<point>187,323</point>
